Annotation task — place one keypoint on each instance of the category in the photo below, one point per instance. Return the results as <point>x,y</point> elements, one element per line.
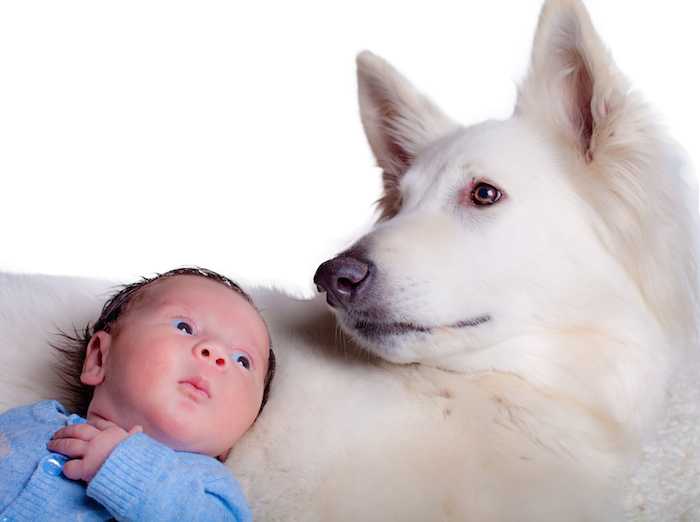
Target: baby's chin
<point>183,430</point>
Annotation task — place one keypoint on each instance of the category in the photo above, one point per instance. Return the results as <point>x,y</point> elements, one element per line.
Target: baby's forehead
<point>187,290</point>
<point>179,288</point>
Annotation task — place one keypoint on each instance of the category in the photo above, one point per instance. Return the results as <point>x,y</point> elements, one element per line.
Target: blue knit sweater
<point>142,480</point>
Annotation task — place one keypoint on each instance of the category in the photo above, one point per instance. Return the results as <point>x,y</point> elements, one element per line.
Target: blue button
<point>76,419</point>
<point>52,466</point>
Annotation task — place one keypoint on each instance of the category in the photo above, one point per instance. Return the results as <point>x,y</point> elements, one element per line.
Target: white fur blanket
<point>665,483</point>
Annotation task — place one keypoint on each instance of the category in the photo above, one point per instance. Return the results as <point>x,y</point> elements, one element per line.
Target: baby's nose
<point>211,353</point>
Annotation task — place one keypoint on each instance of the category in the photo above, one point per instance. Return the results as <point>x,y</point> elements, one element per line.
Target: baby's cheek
<point>241,401</point>
<point>152,368</point>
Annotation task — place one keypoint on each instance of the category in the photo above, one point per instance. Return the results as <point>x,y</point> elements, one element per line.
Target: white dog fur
<point>583,278</point>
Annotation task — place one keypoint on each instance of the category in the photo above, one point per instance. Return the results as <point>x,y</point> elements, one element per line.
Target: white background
<point>137,136</point>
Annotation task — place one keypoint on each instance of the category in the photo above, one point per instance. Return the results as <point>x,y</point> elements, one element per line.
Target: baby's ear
<point>93,367</point>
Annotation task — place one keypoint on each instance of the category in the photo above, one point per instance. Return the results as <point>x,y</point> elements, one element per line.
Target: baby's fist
<point>89,445</point>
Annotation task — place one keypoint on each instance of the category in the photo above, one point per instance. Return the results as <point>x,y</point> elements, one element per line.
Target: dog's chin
<point>390,340</point>
<point>395,345</point>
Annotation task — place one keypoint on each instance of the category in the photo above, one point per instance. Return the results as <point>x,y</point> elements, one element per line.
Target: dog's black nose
<point>343,278</point>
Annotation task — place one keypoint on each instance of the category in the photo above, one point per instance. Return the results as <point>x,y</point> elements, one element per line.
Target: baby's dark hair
<point>72,349</point>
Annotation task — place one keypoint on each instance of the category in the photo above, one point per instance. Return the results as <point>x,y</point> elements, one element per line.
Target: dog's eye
<point>485,194</point>
<point>183,326</point>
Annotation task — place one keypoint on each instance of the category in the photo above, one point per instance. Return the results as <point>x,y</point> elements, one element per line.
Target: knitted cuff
<point>128,474</point>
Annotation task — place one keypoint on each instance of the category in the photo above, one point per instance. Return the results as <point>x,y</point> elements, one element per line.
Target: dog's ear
<point>631,173</point>
<point>572,86</point>
<point>400,123</point>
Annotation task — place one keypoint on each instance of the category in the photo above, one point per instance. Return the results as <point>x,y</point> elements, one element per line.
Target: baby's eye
<point>184,326</point>
<point>241,359</point>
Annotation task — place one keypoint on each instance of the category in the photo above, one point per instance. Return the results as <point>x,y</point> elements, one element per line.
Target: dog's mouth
<point>371,330</point>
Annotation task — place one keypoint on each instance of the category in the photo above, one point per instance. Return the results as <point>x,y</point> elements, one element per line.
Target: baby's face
<point>188,363</point>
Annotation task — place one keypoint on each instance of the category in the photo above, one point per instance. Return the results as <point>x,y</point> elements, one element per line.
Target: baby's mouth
<point>198,386</point>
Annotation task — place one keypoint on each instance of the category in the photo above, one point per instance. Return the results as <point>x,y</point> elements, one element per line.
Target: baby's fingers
<point>73,448</point>
<point>76,431</point>
<point>74,470</point>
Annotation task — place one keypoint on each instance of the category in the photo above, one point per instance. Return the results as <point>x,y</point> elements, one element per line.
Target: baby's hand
<point>89,445</point>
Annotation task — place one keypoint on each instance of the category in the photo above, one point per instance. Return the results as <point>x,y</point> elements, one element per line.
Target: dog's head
<point>562,217</point>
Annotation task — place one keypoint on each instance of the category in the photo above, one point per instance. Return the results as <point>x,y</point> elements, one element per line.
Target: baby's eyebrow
<point>167,305</point>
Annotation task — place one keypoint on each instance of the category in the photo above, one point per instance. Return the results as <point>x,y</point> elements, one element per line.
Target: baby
<point>174,372</point>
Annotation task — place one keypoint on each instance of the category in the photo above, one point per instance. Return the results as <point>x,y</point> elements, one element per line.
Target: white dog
<point>512,320</point>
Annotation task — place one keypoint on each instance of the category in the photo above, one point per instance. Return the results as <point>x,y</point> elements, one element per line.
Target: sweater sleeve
<point>145,480</point>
